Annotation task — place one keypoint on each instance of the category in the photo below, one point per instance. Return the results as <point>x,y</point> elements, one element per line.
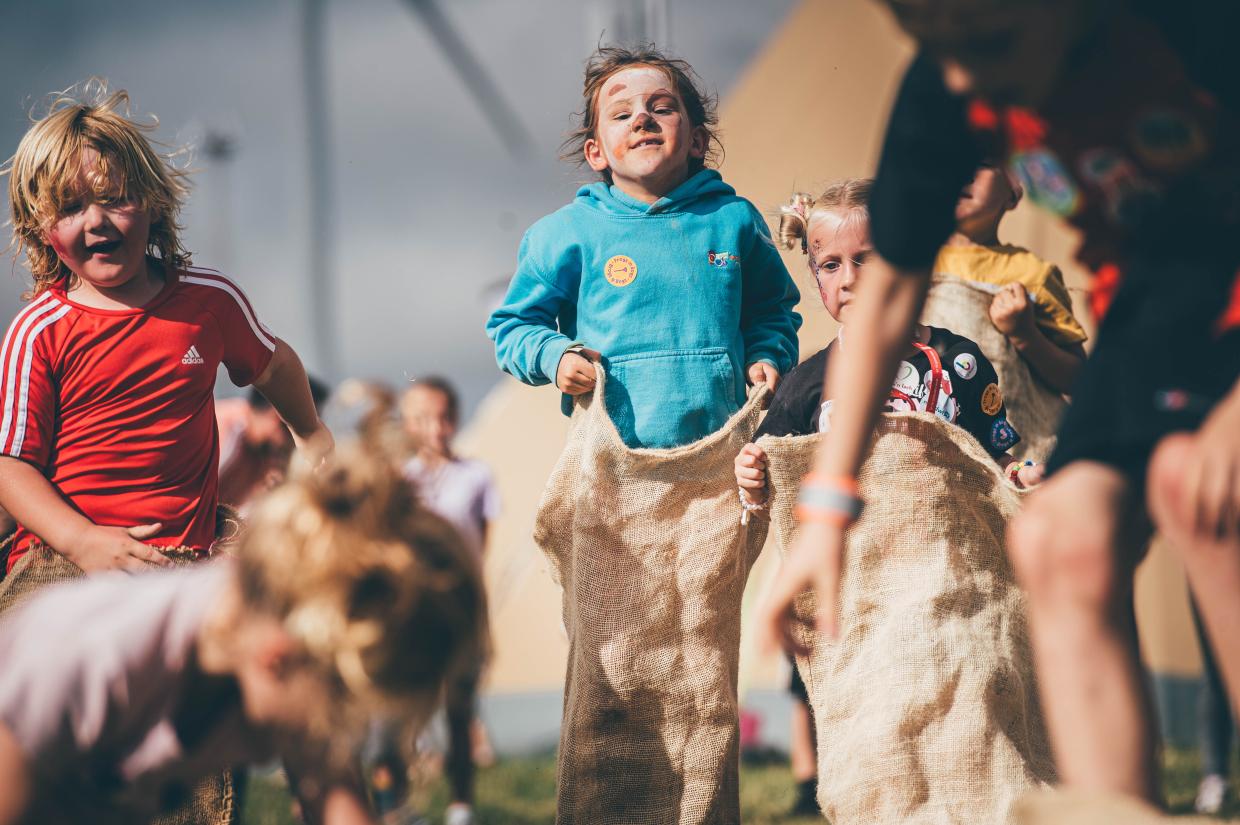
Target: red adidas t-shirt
<point>116,408</point>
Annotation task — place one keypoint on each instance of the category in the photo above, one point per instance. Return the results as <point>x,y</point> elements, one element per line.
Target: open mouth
<point>651,141</point>
<point>103,247</point>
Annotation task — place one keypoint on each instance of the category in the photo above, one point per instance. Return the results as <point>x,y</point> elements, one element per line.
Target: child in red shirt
<point>108,441</point>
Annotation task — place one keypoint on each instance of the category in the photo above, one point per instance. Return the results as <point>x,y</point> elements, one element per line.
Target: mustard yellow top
<point>1006,264</point>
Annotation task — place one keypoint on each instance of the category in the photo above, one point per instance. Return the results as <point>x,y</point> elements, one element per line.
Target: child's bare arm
<point>285,385</point>
<point>38,506</point>
<point>1012,314</point>
<point>14,779</point>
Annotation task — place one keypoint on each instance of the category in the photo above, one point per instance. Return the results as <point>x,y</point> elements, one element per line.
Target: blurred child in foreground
<point>346,599</point>
<point>1122,118</point>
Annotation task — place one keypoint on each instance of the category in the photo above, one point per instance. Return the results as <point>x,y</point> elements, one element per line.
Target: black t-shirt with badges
<point>969,394</point>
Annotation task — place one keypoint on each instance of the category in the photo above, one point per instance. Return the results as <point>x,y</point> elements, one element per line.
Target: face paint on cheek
<point>824,294</point>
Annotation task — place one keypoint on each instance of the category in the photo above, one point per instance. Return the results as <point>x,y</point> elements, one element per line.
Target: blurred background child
<point>1031,307</point>
<point>462,491</point>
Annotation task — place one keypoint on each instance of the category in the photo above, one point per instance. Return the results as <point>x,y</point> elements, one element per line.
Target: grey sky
<point>429,206</point>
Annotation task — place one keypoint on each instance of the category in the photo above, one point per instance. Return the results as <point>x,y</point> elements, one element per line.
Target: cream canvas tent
<point>809,109</point>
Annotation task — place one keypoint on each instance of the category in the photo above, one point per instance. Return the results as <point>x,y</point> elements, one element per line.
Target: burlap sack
<point>649,549</point>
<point>212,801</point>
<point>1067,807</point>
<point>926,707</point>
<point>1033,408</point>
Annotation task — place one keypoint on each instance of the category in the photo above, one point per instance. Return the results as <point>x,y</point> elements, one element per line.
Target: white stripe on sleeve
<point>19,434</point>
<point>13,342</point>
<point>260,331</point>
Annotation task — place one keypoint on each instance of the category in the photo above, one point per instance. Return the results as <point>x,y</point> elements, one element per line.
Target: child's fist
<point>575,374</point>
<point>760,372</point>
<point>750,466</point>
<point>1029,475</point>
<point>1011,312</point>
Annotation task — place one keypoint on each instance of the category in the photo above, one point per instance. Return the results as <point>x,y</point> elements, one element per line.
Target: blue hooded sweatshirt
<point>679,296</point>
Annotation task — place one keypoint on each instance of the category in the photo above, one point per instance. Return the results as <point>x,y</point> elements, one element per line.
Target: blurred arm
<point>285,385</point>
<point>14,779</point>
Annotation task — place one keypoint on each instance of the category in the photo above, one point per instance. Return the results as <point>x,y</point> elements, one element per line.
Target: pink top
<point>101,689</point>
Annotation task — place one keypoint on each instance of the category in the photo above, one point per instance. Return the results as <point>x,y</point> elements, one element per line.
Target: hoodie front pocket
<point>670,397</point>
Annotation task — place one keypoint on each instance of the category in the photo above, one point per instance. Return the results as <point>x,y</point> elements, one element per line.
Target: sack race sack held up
<point>1033,408</point>
<point>649,549</point>
<point>213,800</point>
<point>926,706</point>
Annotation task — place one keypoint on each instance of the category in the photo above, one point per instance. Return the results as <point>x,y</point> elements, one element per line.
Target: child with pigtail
<point>941,372</point>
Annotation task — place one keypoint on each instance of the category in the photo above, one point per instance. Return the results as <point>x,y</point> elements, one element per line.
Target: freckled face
<point>101,237</point>
<point>838,248</point>
<point>643,133</point>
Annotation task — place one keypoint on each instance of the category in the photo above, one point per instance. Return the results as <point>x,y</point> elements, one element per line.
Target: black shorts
<point>1160,364</point>
<point>795,685</point>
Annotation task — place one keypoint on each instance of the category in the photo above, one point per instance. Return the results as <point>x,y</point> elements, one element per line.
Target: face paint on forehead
<point>643,96</point>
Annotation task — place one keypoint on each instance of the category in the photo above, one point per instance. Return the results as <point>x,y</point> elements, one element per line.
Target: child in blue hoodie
<point>660,270</point>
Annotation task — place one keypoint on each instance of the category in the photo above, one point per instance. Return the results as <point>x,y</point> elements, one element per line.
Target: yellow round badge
<point>620,270</point>
<point>992,399</point>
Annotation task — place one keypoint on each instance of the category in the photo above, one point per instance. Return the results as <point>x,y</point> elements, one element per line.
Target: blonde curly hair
<point>45,171</point>
<point>381,593</point>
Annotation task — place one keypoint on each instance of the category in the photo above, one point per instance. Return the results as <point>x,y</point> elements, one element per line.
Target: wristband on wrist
<point>829,499</point>
<point>747,506</point>
<point>1013,469</point>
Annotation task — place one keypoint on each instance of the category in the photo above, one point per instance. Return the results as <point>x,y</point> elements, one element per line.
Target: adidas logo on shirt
<point>191,356</point>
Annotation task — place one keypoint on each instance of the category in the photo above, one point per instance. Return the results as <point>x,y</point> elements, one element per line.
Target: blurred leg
<point>459,766</point>
<point>1074,550</point>
<point>1214,713</point>
<point>1212,564</point>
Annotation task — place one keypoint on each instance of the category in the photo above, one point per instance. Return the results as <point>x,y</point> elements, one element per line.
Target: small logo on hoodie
<point>721,259</point>
<point>620,270</point>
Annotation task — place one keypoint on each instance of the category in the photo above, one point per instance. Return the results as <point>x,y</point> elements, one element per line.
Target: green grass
<point>522,792</point>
